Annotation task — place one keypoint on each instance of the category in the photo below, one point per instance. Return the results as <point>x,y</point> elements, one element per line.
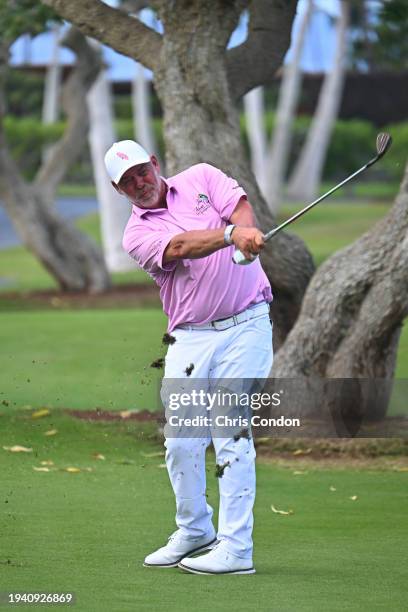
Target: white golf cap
<point>124,155</point>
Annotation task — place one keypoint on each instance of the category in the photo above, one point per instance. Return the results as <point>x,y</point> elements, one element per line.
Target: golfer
<point>183,231</point>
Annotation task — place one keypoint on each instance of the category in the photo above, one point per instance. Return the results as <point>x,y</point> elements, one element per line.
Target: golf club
<point>383,143</point>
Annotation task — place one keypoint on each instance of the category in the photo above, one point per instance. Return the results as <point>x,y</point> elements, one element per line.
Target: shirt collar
<point>141,212</point>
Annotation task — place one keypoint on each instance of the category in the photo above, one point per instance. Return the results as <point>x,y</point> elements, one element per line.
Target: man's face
<point>143,186</point>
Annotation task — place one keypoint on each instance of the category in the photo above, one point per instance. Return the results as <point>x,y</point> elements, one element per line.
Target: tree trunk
<point>352,315</point>
<point>278,155</point>
<point>254,115</point>
<point>201,123</point>
<point>70,257</point>
<point>114,209</point>
<point>306,178</point>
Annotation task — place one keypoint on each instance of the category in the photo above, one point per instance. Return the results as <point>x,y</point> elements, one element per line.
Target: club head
<point>384,141</point>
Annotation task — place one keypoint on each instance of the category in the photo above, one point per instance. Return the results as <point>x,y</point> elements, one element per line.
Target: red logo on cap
<point>122,155</point>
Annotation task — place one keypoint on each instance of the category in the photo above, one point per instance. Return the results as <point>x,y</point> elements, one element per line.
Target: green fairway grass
<point>88,532</point>
<point>85,359</point>
<point>82,359</point>
<point>331,227</point>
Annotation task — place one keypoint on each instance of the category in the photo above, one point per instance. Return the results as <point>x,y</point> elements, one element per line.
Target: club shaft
<point>280,227</point>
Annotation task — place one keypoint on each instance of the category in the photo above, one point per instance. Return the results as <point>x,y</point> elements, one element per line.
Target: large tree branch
<point>258,58</point>
<point>66,150</point>
<point>113,28</point>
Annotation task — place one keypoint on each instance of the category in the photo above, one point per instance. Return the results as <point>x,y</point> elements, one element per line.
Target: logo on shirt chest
<point>202,203</point>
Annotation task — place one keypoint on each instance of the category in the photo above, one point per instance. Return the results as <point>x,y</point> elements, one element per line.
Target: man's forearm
<point>194,244</point>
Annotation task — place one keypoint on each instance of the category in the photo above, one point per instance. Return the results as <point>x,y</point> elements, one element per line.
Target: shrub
<point>352,145</point>
<point>27,138</point>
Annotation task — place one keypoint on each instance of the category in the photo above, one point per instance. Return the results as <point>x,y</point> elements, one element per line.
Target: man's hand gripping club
<point>249,241</point>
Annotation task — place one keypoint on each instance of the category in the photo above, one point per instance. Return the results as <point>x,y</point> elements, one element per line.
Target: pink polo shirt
<point>195,290</point>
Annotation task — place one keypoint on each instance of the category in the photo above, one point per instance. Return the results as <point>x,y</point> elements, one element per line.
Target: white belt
<point>257,310</point>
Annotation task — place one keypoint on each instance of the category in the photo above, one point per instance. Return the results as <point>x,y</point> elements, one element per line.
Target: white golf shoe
<point>179,547</point>
<point>218,561</point>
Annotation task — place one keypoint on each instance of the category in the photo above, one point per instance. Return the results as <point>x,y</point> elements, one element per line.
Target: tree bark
<point>113,27</point>
<point>352,313</point>
<point>306,177</point>
<point>256,61</point>
<point>71,258</point>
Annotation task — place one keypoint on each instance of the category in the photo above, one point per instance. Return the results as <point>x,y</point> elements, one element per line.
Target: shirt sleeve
<point>148,250</point>
<point>224,191</point>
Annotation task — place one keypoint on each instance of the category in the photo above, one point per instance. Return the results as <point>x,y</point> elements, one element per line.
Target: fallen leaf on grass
<point>261,440</point>
<point>301,451</point>
<point>38,414</point>
<point>333,489</point>
<point>156,454</point>
<point>49,462</point>
<point>71,470</point>
<point>41,469</point>
<point>50,432</point>
<point>18,449</point>
<point>55,301</point>
<point>276,511</point>
<point>354,497</point>
<point>299,472</point>
<point>98,456</point>
<point>125,414</point>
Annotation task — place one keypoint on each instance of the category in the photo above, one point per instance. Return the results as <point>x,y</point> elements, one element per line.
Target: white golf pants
<point>243,351</point>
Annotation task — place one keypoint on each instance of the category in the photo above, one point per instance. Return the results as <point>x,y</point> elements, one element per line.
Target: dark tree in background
<point>70,256</point>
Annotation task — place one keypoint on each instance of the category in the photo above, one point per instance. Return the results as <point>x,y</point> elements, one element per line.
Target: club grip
<point>240,259</point>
